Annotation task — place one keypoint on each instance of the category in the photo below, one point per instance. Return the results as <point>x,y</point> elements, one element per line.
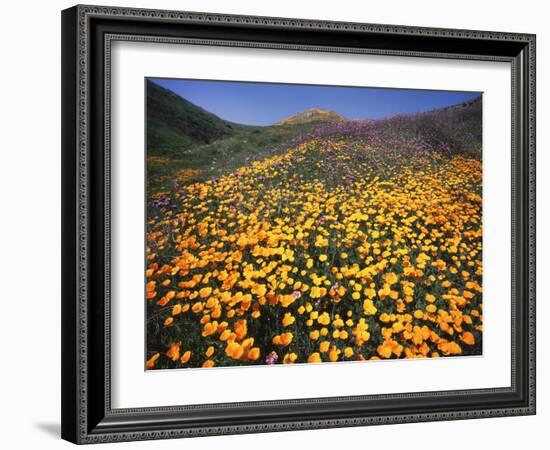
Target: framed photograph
<point>282,224</point>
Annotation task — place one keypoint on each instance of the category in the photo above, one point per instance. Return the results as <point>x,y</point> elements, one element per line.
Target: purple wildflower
<point>271,358</point>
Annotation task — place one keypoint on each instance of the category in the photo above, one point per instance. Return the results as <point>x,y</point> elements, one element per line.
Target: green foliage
<point>174,123</point>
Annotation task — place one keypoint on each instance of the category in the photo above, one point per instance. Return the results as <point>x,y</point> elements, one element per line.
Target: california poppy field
<point>315,239</point>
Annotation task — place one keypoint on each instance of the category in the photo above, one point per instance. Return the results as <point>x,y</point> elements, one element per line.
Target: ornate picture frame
<point>88,33</point>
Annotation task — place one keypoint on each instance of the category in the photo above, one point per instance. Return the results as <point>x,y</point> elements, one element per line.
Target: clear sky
<point>267,103</point>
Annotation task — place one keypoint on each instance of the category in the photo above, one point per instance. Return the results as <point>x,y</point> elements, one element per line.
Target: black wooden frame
<point>87,31</point>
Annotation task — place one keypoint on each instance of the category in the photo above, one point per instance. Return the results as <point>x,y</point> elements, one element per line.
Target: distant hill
<point>313,115</point>
<point>174,123</point>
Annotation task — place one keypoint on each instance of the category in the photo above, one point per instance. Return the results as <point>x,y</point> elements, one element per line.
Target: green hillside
<point>183,136</point>
<point>174,123</point>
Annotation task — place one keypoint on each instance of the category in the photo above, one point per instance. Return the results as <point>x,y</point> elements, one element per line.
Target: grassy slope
<point>174,123</point>
<point>457,127</point>
<point>181,135</point>
<point>221,156</point>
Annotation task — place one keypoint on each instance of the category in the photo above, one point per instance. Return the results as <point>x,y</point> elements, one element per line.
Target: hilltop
<point>313,115</point>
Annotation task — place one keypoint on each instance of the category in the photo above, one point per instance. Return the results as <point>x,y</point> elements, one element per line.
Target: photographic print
<point>292,224</point>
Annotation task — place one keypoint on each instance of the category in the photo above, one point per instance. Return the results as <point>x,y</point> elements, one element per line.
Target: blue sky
<point>267,103</point>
